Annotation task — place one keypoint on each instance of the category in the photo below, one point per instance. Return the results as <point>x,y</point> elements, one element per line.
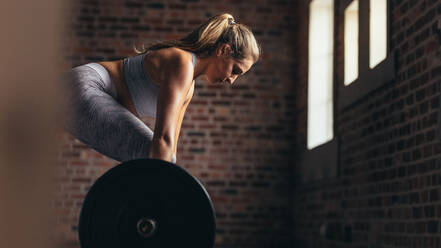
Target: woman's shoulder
<point>177,60</point>
<point>176,55</point>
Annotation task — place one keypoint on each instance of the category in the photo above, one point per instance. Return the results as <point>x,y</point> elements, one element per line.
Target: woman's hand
<point>161,148</point>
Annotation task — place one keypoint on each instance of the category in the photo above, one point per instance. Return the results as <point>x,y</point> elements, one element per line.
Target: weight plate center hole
<point>146,227</point>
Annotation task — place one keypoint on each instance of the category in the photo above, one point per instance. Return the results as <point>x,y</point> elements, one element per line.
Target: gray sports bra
<point>143,91</point>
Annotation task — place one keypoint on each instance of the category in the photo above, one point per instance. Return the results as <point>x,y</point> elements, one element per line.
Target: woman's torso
<point>115,69</point>
<point>152,67</point>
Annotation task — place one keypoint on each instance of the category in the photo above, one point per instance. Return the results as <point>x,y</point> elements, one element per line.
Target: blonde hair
<point>216,30</point>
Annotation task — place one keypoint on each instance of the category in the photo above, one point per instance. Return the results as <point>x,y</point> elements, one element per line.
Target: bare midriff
<point>115,69</point>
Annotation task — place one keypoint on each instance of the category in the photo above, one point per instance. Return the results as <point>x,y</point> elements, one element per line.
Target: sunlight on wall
<point>320,101</point>
<point>351,42</point>
<point>378,32</point>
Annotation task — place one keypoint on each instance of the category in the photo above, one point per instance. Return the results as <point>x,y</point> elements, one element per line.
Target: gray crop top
<point>143,91</point>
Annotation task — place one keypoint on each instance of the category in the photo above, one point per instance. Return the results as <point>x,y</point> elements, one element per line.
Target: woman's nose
<point>232,78</point>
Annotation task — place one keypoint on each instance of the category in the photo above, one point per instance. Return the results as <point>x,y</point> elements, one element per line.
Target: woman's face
<point>224,68</point>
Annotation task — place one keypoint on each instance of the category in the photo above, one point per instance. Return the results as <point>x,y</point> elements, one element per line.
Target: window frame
<point>321,162</point>
<point>330,85</point>
<point>368,79</point>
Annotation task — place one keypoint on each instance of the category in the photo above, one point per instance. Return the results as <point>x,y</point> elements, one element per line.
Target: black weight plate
<point>147,189</point>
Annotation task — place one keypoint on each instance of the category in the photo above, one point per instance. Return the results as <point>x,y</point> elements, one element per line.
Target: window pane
<point>320,102</point>
<point>378,32</point>
<point>351,42</point>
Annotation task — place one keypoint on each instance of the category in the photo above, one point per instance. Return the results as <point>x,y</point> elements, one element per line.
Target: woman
<point>108,98</point>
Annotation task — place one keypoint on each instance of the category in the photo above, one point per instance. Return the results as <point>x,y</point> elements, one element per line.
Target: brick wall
<point>237,140</point>
<point>388,191</point>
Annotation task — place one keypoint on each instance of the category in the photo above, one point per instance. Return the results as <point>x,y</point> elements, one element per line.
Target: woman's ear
<point>223,50</point>
<point>227,50</point>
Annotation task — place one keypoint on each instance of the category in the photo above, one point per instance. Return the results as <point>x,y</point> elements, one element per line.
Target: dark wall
<point>387,193</point>
<point>237,140</point>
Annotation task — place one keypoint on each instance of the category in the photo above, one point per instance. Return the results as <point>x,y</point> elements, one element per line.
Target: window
<point>320,90</point>
<point>375,62</point>
<point>377,32</point>
<point>319,161</point>
<point>351,42</point>
<point>368,64</point>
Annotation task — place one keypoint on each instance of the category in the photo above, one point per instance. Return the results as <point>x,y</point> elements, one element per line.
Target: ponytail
<point>218,29</point>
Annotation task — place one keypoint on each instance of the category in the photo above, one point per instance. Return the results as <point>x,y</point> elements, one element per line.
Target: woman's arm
<point>181,117</point>
<point>174,87</point>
